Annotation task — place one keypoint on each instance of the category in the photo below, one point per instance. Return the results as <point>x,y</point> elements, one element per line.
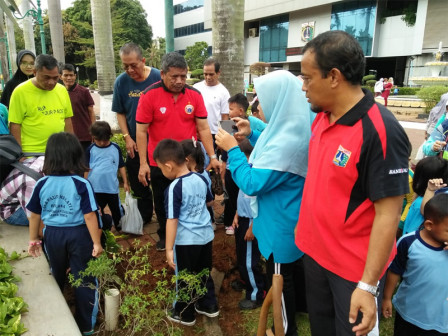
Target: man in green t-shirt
<point>40,107</point>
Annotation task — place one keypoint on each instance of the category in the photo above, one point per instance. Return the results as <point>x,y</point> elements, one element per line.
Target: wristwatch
<point>213,157</point>
<point>374,290</point>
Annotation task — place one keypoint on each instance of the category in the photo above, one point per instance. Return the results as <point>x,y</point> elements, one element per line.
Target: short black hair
<point>338,49</point>
<point>212,61</point>
<point>436,209</point>
<point>173,60</point>
<point>240,100</point>
<point>169,150</point>
<point>428,168</point>
<point>194,150</point>
<point>246,147</point>
<point>47,61</point>
<point>101,130</point>
<point>254,107</point>
<point>68,67</point>
<point>131,47</point>
<point>64,155</point>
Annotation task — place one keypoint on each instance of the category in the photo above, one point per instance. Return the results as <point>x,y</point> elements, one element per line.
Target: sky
<point>154,8</point>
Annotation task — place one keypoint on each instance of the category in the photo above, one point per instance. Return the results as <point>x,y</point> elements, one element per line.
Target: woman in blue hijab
<point>275,175</point>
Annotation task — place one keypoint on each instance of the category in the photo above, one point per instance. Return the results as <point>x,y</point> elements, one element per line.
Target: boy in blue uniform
<point>189,232</point>
<point>104,158</point>
<point>247,252</point>
<point>422,262</point>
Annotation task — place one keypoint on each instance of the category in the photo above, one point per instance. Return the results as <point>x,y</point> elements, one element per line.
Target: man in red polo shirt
<point>357,176</point>
<point>169,109</point>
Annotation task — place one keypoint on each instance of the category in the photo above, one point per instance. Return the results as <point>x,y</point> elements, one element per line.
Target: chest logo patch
<point>189,109</point>
<point>342,156</point>
<point>163,110</point>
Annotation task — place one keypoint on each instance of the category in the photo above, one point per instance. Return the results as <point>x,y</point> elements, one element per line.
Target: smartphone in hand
<point>228,125</point>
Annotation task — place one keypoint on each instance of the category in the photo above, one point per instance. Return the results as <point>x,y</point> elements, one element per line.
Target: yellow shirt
<point>40,113</point>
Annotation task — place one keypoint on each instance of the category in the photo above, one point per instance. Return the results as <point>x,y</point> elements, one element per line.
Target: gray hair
<point>131,47</point>
<point>46,61</point>
<point>173,60</point>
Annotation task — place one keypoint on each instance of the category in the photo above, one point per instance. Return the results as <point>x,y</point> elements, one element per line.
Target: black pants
<point>288,294</point>
<point>248,258</point>
<point>159,184</point>
<point>404,328</point>
<point>113,201</point>
<point>72,247</point>
<point>328,301</point>
<point>195,258</point>
<point>143,194</point>
<point>230,206</point>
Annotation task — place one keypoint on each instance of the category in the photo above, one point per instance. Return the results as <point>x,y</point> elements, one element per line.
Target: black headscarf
<point>19,77</point>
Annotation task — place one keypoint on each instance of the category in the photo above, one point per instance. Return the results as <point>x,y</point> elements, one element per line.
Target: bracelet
<point>125,135</point>
<point>39,242</point>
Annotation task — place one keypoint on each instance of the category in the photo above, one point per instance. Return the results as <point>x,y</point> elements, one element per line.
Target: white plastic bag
<point>132,221</point>
<point>420,155</point>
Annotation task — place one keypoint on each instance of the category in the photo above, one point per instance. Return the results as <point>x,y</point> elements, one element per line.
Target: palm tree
<point>3,54</point>
<point>28,33</point>
<point>57,37</point>
<point>12,43</point>
<point>228,42</point>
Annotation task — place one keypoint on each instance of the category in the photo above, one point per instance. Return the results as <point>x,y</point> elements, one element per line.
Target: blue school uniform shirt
<point>185,200</point>
<point>104,163</point>
<point>62,201</point>
<point>414,218</point>
<point>243,205</point>
<point>3,120</point>
<point>422,297</point>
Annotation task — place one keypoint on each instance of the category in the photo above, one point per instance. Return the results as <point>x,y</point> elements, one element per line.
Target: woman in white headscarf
<point>275,175</point>
<point>378,88</point>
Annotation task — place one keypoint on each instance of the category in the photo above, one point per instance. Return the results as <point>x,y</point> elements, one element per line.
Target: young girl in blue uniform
<point>66,204</point>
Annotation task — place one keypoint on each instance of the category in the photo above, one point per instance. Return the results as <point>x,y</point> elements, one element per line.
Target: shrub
<point>369,78</point>
<point>431,95</point>
<point>197,73</point>
<point>118,139</point>
<point>407,91</point>
<point>371,82</point>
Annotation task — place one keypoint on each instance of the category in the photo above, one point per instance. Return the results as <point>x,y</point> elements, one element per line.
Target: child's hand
<point>97,250</point>
<point>235,222</point>
<point>435,184</point>
<point>170,259</point>
<point>249,236</point>
<point>35,248</point>
<point>126,187</point>
<point>387,308</point>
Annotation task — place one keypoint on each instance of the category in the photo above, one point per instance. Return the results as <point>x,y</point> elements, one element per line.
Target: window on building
<point>358,18</point>
<point>188,6</point>
<point>190,30</point>
<point>274,38</point>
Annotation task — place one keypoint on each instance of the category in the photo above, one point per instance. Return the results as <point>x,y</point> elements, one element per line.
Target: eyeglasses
<point>127,66</point>
<point>26,64</point>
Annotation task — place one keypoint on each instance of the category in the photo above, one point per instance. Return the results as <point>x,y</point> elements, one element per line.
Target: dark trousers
<point>195,258</point>
<point>289,295</point>
<point>72,247</point>
<point>328,300</point>
<point>159,184</point>
<point>404,328</point>
<point>142,193</point>
<point>248,258</point>
<point>113,201</point>
<point>230,206</point>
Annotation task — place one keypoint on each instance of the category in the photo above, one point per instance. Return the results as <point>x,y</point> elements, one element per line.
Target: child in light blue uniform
<point>422,264</point>
<point>104,159</point>
<point>189,232</point>
<point>66,204</point>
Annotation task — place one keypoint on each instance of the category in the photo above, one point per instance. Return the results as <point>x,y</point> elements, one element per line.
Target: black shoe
<point>249,304</point>
<point>160,245</point>
<point>173,316</point>
<point>237,285</point>
<point>207,311</point>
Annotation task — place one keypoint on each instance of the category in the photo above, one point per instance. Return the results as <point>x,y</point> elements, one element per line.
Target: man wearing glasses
<point>127,90</point>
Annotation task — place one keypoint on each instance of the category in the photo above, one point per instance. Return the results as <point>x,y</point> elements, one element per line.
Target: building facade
<point>276,31</point>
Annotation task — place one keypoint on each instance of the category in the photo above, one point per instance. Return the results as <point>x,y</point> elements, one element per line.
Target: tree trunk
<point>3,54</point>
<point>12,44</point>
<point>228,42</point>
<point>104,57</point>
<point>57,36</point>
<point>28,33</point>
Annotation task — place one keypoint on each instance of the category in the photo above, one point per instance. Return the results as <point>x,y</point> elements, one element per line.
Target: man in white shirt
<point>215,95</point>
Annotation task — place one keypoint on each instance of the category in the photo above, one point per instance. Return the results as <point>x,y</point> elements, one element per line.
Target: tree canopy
<point>196,54</point>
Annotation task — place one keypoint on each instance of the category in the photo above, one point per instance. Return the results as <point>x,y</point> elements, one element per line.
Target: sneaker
<point>207,311</point>
<point>173,316</point>
<point>160,245</point>
<point>249,304</point>
<point>237,285</point>
<point>230,231</point>
<point>219,220</point>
